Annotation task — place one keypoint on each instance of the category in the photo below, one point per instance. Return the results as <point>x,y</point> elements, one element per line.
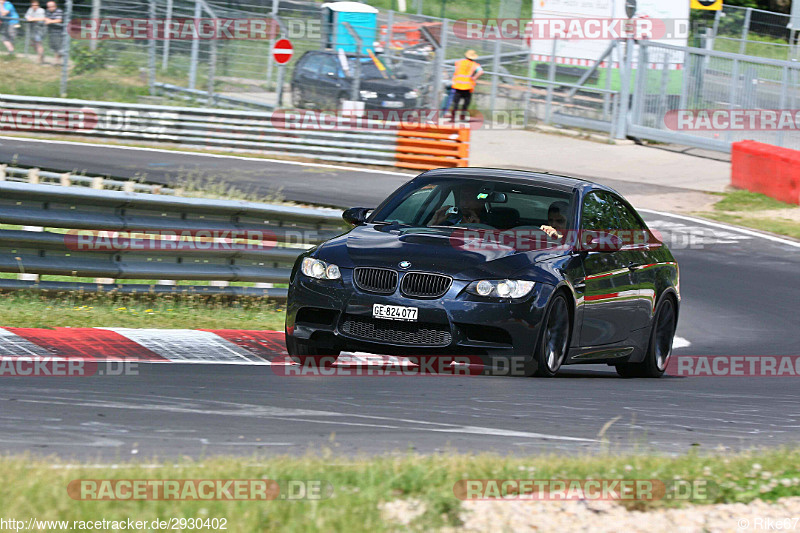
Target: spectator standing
<point>10,23</point>
<point>35,16</point>
<point>467,73</point>
<point>54,21</point>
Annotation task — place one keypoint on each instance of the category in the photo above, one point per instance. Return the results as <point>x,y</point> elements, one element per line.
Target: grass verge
<point>38,486</point>
<point>33,310</point>
<point>757,211</point>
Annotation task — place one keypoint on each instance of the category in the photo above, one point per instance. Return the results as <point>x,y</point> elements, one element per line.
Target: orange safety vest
<point>462,79</point>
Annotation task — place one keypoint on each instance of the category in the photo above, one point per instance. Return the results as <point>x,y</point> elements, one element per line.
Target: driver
<point>469,210</point>
<point>556,220</point>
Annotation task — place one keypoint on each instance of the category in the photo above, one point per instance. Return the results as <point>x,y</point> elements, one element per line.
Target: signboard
<point>671,16</point>
<point>282,51</point>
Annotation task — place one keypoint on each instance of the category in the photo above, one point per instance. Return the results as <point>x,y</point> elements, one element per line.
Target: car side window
<point>633,230</point>
<point>626,217</point>
<point>329,64</point>
<point>598,213</point>
<point>311,65</point>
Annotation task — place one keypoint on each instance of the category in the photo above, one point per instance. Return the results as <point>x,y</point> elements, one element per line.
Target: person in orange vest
<point>463,84</point>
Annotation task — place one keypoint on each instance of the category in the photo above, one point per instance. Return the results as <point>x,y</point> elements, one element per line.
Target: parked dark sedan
<point>499,264</point>
<point>320,81</point>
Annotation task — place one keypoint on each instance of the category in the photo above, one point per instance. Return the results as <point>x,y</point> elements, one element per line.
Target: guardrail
<point>36,175</point>
<point>330,138</point>
<point>141,228</point>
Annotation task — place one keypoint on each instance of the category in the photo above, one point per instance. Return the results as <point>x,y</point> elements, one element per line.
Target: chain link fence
<point>747,31</point>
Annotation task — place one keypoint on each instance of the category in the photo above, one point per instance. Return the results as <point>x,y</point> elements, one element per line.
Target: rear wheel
<point>659,348</point>
<point>308,354</point>
<point>553,345</point>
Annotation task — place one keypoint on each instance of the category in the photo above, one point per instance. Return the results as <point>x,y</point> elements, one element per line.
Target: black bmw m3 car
<point>503,265</point>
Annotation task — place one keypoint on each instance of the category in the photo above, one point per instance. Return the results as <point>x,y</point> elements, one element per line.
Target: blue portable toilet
<point>363,19</point>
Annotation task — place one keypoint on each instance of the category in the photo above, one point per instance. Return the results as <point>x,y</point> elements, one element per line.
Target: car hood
<point>383,86</point>
<point>445,251</point>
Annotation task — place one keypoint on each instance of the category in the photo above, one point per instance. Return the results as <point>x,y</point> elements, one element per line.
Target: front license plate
<point>395,312</point>
<point>392,103</point>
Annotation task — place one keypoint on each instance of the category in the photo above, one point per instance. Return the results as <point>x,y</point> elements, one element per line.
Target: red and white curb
<point>221,346</point>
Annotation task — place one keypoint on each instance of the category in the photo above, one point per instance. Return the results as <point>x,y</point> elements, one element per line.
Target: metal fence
<point>712,81</point>
<point>270,237</point>
<point>748,31</point>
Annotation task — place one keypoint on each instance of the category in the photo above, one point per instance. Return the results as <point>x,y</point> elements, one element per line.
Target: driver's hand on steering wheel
<point>551,231</point>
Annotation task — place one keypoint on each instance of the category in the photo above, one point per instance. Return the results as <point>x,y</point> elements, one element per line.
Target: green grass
<point>749,201</point>
<point>790,228</point>
<point>35,310</point>
<point>757,45</point>
<point>37,486</point>
<point>745,208</point>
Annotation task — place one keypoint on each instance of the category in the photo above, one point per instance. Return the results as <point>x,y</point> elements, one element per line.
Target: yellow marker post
<point>378,63</point>
<point>707,5</point>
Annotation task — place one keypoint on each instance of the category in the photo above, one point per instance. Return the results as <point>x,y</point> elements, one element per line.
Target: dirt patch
<point>675,202</point>
<point>602,517</point>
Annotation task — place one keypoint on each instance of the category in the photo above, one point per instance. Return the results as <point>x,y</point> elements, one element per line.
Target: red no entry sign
<point>282,51</point>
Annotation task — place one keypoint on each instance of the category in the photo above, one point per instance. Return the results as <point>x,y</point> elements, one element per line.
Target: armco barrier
<point>767,169</point>
<point>243,131</point>
<point>426,147</point>
<point>36,251</point>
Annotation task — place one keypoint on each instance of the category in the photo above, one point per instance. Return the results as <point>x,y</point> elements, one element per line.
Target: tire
<point>553,346</point>
<point>297,98</point>
<point>659,348</point>
<point>309,354</point>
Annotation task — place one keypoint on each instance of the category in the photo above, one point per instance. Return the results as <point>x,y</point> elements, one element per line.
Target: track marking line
<point>744,231</point>
<point>680,342</point>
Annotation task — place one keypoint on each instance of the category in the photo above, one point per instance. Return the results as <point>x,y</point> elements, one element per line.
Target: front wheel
<point>659,348</point>
<point>553,345</point>
<point>297,98</point>
<point>308,354</point>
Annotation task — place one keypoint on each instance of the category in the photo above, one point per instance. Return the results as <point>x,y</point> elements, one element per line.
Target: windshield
<point>368,68</point>
<point>478,204</point>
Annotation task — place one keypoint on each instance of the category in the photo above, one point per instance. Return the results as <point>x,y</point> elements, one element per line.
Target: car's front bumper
<point>318,312</point>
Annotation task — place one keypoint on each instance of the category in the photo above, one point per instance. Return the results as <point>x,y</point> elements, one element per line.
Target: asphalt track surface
<point>739,298</point>
<point>317,184</point>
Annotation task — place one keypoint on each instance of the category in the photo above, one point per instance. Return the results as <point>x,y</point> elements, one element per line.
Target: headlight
<point>368,94</point>
<point>411,94</point>
<point>504,288</point>
<point>314,268</point>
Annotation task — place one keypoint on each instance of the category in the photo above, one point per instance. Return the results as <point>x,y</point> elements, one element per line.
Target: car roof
<point>552,181</point>
<point>336,53</point>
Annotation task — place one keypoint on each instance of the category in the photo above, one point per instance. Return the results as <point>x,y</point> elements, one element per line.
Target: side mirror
<point>598,241</point>
<point>355,216</point>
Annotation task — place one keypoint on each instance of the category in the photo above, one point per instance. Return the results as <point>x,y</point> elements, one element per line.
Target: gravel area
<point>608,517</point>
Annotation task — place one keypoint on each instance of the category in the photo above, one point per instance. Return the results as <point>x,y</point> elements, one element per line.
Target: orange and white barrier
<point>425,147</point>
